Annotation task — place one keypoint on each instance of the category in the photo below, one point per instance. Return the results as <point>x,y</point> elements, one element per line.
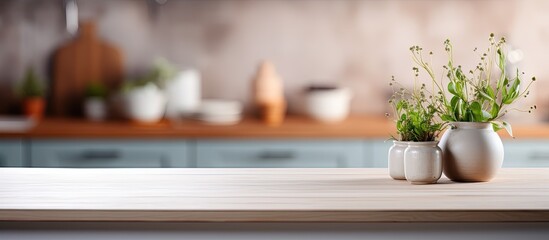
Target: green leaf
<point>501,60</point>
<point>495,110</point>
<point>459,89</point>
<point>456,104</point>
<point>486,96</point>
<point>447,118</point>
<point>512,93</point>
<point>508,127</point>
<point>501,80</point>
<point>496,126</point>
<point>476,111</point>
<point>516,85</point>
<point>490,92</point>
<point>452,88</point>
<point>468,115</point>
<point>502,125</point>
<point>459,74</point>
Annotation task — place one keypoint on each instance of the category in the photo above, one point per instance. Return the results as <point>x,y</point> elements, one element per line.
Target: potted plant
<point>473,102</point>
<point>144,99</point>
<point>415,155</point>
<point>95,107</point>
<point>32,91</point>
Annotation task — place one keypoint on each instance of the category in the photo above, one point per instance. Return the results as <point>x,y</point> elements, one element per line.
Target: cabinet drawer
<point>11,153</point>
<point>526,153</point>
<point>280,154</point>
<point>109,154</point>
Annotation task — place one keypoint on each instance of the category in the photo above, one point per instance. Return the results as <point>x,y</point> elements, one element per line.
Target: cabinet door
<point>109,154</point>
<point>380,151</point>
<point>280,154</point>
<point>11,153</point>
<point>526,153</point>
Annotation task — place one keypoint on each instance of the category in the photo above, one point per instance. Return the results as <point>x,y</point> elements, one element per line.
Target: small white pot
<point>396,160</point>
<point>422,162</point>
<point>95,109</point>
<point>145,104</point>
<point>328,105</point>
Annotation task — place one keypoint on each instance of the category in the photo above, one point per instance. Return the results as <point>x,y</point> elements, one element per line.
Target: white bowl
<point>215,111</point>
<point>145,104</point>
<point>328,105</point>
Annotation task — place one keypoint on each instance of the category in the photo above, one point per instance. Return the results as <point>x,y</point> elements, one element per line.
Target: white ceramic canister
<point>183,93</point>
<point>423,162</point>
<point>95,109</point>
<point>396,160</point>
<point>473,152</point>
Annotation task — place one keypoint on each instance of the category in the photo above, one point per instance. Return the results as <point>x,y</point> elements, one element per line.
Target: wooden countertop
<point>293,127</point>
<point>358,127</point>
<point>266,195</point>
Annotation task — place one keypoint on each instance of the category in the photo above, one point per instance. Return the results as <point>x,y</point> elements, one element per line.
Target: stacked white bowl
<point>219,112</point>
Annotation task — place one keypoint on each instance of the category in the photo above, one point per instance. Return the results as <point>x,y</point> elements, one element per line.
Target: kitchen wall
<point>358,44</point>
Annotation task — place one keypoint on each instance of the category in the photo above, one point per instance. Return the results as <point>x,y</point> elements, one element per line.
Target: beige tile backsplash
<point>358,44</point>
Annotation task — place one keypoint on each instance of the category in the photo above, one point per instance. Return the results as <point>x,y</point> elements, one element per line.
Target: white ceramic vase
<point>472,151</point>
<point>396,160</point>
<point>422,162</point>
<point>95,109</point>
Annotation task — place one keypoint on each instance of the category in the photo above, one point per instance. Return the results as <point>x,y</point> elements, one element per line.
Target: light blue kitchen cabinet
<point>110,153</point>
<point>518,153</point>
<point>12,153</point>
<point>281,153</point>
<point>380,152</point>
<point>526,153</point>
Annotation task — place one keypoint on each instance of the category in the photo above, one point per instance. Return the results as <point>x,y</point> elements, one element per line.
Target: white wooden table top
<point>265,195</point>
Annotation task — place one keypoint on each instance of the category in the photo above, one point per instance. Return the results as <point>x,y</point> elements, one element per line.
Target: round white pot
<point>396,160</point>
<point>328,105</point>
<point>422,162</point>
<point>145,104</point>
<point>95,109</point>
<point>473,152</point>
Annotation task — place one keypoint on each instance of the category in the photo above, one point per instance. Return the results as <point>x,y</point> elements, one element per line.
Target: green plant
<point>161,72</point>
<point>96,89</point>
<point>482,94</point>
<point>31,85</point>
<point>416,114</point>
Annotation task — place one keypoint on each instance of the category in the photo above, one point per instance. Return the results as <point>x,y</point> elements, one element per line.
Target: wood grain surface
<point>293,127</point>
<point>266,195</point>
<point>355,127</point>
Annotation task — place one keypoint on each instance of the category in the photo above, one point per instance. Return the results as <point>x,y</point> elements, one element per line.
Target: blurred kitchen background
<point>293,83</point>
<point>356,44</point>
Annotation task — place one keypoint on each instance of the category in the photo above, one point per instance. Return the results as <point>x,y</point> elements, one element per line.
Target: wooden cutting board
<point>82,60</point>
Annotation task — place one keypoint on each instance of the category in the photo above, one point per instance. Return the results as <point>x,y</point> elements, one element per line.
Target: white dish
<point>214,107</point>
<point>16,124</point>
<point>221,119</point>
